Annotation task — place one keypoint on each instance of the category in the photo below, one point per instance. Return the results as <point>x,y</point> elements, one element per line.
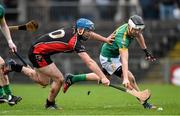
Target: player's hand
<point>105,81</point>
<point>12,46</point>
<point>126,83</point>
<point>110,39</point>
<point>149,56</point>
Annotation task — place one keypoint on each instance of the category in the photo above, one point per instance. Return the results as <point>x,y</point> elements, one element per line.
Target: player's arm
<point>5,30</point>
<point>92,65</point>
<point>142,43</point>
<point>98,37</point>
<point>6,33</point>
<point>124,61</point>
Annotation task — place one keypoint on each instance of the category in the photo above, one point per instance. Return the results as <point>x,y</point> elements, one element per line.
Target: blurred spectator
<point>125,9</point>
<point>178,3</point>
<point>176,12</point>
<point>87,9</point>
<point>167,42</point>
<point>64,10</point>
<point>10,3</point>
<point>106,8</point>
<point>150,9</point>
<point>172,39</point>
<point>157,50</point>
<point>166,9</point>
<point>144,64</point>
<point>165,45</point>
<point>38,9</point>
<point>11,9</point>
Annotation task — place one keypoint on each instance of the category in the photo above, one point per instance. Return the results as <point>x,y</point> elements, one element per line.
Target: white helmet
<point>136,22</point>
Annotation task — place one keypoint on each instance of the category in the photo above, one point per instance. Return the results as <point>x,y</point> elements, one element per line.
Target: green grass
<point>101,101</point>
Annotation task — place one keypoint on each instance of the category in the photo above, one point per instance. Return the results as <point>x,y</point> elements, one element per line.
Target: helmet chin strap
<point>80,31</point>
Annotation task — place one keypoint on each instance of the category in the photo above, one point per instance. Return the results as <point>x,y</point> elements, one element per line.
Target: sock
<point>7,90</point>
<point>1,91</point>
<point>16,67</point>
<point>49,103</point>
<point>141,102</point>
<point>77,78</point>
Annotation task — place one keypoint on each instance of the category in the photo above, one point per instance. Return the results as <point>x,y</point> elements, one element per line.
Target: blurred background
<point>162,33</point>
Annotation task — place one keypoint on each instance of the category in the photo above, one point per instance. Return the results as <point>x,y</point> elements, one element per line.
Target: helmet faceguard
<point>136,22</point>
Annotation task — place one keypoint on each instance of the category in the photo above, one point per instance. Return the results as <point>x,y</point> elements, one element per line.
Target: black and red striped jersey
<point>62,40</point>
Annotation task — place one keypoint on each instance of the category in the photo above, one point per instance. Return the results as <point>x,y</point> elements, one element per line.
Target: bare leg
<point>133,81</point>
<point>43,76</point>
<point>53,72</point>
<point>92,77</point>
<point>135,86</point>
<point>4,83</point>
<point>36,76</point>
<point>4,80</point>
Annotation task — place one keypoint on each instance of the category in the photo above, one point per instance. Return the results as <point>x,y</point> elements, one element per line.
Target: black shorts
<point>39,60</point>
<point>118,72</point>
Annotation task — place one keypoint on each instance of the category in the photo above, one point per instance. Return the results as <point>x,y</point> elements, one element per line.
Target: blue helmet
<point>85,23</point>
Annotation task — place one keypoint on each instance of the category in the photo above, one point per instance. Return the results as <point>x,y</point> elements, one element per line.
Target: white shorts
<point>110,64</point>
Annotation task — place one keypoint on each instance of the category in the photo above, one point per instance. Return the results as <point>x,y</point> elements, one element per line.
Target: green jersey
<point>122,41</point>
<point>2,12</point>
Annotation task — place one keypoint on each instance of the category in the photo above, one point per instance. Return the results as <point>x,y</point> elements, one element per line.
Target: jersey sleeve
<point>79,47</point>
<point>2,12</point>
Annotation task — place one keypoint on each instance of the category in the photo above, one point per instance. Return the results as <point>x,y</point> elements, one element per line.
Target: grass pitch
<point>101,101</point>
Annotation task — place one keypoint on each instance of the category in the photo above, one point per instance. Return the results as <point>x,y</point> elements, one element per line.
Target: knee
<point>59,80</point>
<point>38,79</point>
<point>43,83</point>
<point>31,73</point>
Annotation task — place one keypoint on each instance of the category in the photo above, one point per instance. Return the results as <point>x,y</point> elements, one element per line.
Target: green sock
<point>77,78</point>
<point>1,91</point>
<point>7,90</point>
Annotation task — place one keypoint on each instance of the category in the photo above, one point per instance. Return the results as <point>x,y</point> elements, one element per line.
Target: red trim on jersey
<point>42,63</point>
<point>72,41</point>
<point>55,46</point>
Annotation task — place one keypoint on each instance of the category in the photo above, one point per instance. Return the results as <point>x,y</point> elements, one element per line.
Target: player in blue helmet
<point>84,25</point>
<point>64,40</point>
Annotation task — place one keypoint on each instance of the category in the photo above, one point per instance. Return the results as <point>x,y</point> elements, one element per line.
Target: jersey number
<point>57,34</point>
